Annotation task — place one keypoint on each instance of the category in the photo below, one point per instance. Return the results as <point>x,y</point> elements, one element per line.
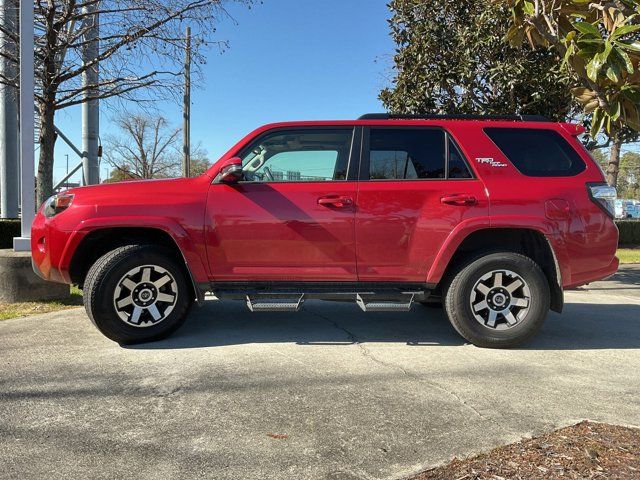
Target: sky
<point>287,60</point>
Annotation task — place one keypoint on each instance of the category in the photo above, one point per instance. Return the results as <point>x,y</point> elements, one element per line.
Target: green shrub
<point>8,230</point>
<point>629,232</point>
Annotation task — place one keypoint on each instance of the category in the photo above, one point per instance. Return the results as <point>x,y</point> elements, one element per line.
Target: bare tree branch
<point>140,50</point>
<point>146,148</point>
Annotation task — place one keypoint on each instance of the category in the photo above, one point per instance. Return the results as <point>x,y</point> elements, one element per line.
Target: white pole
<point>9,168</point>
<point>27,169</point>
<point>91,108</point>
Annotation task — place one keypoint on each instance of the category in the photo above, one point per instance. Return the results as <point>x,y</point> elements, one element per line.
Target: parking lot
<point>330,392</point>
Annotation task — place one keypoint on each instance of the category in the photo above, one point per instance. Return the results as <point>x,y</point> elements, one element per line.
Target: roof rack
<point>517,118</point>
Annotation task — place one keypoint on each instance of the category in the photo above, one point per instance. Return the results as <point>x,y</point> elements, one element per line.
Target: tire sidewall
<point>465,321</point>
<point>104,312</point>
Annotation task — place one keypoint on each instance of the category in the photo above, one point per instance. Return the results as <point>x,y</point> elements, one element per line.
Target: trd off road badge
<point>490,161</point>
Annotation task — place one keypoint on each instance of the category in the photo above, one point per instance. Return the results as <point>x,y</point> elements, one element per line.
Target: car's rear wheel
<point>137,293</point>
<point>498,300</point>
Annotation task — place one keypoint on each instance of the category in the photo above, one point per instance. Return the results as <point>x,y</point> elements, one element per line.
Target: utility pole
<point>90,106</point>
<point>186,114</point>
<point>27,136</point>
<point>9,158</point>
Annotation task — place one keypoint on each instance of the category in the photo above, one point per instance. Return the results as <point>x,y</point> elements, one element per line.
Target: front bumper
<point>47,250</point>
<point>36,270</point>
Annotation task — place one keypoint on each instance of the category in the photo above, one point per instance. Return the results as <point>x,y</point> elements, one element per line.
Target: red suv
<point>492,217</point>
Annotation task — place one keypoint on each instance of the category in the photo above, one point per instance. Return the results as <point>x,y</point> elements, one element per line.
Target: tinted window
<point>537,153</point>
<point>457,166</point>
<point>406,154</point>
<point>298,156</point>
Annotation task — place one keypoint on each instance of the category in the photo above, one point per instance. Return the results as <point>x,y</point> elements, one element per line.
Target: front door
<point>292,216</point>
<point>415,188</point>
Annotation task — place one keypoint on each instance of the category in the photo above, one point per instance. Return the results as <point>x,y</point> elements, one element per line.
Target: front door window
<point>298,156</point>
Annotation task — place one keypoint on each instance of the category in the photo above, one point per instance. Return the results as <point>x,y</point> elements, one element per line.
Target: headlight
<point>56,204</point>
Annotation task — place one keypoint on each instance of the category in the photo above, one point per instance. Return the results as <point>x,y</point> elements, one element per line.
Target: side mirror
<point>230,171</point>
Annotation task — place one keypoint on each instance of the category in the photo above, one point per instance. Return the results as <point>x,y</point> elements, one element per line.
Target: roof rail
<point>434,116</point>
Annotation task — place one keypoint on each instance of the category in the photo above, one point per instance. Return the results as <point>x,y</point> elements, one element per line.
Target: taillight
<point>56,204</point>
<point>604,196</point>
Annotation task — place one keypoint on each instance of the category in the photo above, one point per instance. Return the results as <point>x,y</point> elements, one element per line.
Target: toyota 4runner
<point>490,217</point>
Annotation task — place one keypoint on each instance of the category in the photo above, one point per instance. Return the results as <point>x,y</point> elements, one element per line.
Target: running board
<point>274,304</point>
<point>373,303</point>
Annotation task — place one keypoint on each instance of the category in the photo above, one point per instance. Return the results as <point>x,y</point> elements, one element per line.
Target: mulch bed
<point>584,451</point>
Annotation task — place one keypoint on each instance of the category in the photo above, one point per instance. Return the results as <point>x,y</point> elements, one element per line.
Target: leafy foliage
<point>119,174</point>
<point>451,58</point>
<point>599,43</point>
<point>629,232</point>
<point>629,176</point>
<point>627,173</point>
<point>199,163</point>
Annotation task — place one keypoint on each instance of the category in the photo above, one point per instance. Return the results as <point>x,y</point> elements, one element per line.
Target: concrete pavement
<point>345,394</point>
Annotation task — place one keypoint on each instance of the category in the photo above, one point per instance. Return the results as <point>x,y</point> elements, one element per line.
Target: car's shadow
<point>581,326</point>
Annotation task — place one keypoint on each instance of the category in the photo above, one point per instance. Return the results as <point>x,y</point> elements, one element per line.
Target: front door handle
<point>337,201</point>
<point>459,199</point>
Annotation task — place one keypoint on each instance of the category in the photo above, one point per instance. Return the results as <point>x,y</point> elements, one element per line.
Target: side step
<point>373,303</point>
<point>274,304</point>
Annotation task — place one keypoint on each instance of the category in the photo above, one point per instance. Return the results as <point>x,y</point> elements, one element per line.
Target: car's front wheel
<point>137,293</point>
<point>498,300</point>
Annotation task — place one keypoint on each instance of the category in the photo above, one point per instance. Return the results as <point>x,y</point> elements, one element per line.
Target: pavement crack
<point>363,349</point>
<point>369,355</point>
<point>458,398</point>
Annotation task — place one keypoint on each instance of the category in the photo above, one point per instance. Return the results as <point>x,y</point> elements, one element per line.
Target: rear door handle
<point>459,199</point>
<point>337,201</point>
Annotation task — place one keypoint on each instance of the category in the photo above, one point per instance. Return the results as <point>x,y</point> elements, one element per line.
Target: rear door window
<point>537,152</point>
<point>413,154</point>
<point>457,166</point>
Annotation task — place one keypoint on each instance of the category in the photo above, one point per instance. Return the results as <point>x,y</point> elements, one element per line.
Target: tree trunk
<point>47,141</point>
<point>613,166</point>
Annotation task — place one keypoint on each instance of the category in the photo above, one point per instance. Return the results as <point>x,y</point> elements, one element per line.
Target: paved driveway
<point>345,394</point>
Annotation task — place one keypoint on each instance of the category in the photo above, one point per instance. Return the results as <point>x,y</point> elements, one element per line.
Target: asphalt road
<point>345,394</point>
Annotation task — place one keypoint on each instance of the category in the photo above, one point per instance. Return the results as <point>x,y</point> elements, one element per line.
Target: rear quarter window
<point>537,152</point>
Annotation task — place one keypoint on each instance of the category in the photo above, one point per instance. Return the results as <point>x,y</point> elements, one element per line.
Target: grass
<point>629,255</point>
<point>23,309</point>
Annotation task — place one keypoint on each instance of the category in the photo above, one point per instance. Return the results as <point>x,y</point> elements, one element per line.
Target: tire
<point>488,279</point>
<point>123,301</point>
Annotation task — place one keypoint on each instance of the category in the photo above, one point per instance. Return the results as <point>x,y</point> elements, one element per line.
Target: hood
<point>144,191</point>
<point>126,185</point>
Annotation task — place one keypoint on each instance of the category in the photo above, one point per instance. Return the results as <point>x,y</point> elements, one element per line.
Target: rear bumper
<point>595,275</point>
<point>590,251</point>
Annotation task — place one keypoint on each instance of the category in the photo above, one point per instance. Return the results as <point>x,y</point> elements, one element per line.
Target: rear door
<point>415,188</point>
